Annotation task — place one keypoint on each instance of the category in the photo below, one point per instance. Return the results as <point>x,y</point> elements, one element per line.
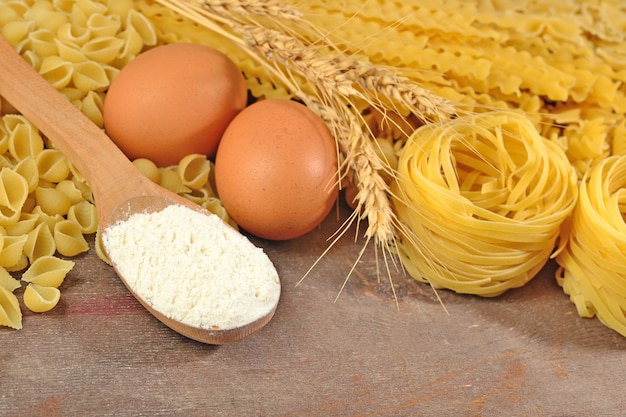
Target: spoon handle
<point>97,158</point>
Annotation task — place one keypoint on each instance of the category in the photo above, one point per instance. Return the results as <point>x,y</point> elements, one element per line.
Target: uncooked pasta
<point>593,263</point>
<point>481,200</point>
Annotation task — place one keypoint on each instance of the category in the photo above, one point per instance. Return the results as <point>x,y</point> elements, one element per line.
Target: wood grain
<point>526,353</point>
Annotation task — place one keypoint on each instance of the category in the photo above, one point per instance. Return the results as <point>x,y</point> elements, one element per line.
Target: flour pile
<point>193,268</point>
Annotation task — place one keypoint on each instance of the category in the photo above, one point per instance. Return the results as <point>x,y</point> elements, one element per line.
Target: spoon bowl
<point>119,188</point>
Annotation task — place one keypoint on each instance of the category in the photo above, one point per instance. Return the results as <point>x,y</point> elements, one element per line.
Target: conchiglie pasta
<point>44,15</point>
<point>133,45</point>
<point>73,34</point>
<point>120,8</point>
<point>12,250</point>
<point>80,184</point>
<point>149,169</point>
<point>7,281</point>
<point>143,26</point>
<point>4,136</point>
<point>101,25</point>
<point>13,194</point>
<point>10,313</point>
<point>194,171</point>
<point>77,16</point>
<point>91,106</point>
<point>172,181</point>
<point>69,188</point>
<point>69,239</point>
<point>39,242</point>
<point>42,42</point>
<point>56,71</point>
<point>85,215</point>
<point>48,271</point>
<point>200,196</point>
<point>15,31</point>
<point>215,206</point>
<point>89,7</point>
<point>100,252</point>
<point>11,121</point>
<point>52,201</point>
<point>20,265</point>
<point>52,165</point>
<point>25,224</point>
<point>6,162</point>
<point>103,50</point>
<point>27,168</point>
<point>25,141</point>
<point>90,76</point>
<point>70,54</point>
<point>40,299</point>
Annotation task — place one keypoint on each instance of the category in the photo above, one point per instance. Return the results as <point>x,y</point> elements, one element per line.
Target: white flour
<point>193,268</point>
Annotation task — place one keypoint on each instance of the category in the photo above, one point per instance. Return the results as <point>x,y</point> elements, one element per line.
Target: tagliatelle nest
<point>482,200</point>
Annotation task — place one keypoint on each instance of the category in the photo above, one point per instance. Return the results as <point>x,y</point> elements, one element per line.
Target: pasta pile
<point>561,62</point>
<point>482,201</point>
<point>593,263</point>
<point>46,208</point>
<point>172,28</point>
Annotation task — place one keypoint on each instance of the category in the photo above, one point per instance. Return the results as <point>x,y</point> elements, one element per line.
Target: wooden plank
<point>526,353</point>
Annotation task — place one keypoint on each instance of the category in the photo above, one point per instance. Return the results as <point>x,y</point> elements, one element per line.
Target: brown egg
<point>276,169</point>
<point>173,100</point>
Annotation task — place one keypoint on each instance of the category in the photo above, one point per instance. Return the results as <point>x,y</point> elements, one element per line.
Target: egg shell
<point>276,169</point>
<point>172,101</point>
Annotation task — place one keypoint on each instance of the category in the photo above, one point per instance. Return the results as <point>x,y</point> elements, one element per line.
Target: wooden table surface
<point>526,353</point>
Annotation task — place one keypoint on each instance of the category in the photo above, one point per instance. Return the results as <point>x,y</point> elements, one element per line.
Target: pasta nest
<point>481,200</point>
<point>593,263</point>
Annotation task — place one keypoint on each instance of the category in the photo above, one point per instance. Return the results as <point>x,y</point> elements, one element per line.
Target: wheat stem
<point>330,83</point>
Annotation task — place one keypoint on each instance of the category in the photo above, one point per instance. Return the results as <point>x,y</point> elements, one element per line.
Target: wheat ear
<point>333,84</point>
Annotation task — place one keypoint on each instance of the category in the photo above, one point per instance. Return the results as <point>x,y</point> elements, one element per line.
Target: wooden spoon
<point>119,188</point>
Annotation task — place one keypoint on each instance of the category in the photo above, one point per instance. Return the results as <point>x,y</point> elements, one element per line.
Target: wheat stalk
<point>333,85</point>
<point>267,8</point>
